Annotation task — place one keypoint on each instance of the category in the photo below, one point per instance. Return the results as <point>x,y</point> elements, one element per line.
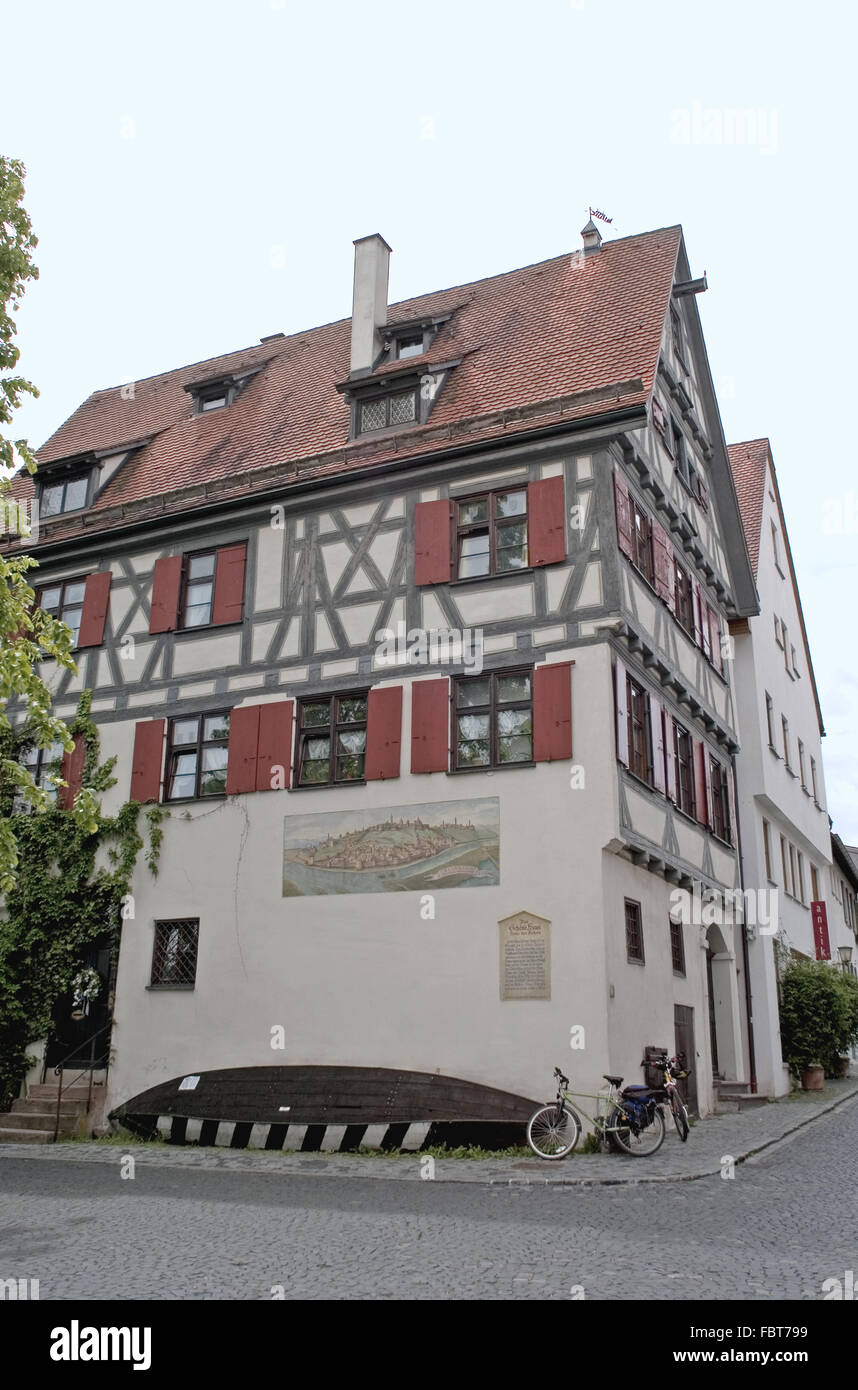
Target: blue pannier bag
<point>640,1104</point>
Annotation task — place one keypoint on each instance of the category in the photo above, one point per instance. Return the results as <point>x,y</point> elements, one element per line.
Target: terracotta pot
<point>842,1066</point>
<point>813,1079</point>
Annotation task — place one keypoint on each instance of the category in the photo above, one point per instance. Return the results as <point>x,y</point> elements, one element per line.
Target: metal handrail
<point>60,1068</point>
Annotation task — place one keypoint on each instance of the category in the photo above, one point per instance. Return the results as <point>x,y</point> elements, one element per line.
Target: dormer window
<point>212,400</point>
<point>409,345</point>
<point>67,495</point>
<point>381,412</point>
<point>216,393</point>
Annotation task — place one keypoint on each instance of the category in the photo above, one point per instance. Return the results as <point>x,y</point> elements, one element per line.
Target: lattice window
<point>174,958</point>
<point>402,409</point>
<point>373,415</point>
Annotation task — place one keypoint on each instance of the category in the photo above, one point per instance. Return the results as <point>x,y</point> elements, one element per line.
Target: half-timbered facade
<point>416,625</point>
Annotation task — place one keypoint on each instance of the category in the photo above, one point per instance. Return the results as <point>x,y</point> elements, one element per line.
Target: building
<point>786,843</point>
<point>417,625</point>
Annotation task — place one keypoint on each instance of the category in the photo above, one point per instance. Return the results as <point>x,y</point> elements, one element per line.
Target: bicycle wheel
<point>553,1131</point>
<point>641,1143</point>
<point>680,1115</point>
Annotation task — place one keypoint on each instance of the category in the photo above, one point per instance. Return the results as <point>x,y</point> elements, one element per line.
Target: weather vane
<point>594,212</point>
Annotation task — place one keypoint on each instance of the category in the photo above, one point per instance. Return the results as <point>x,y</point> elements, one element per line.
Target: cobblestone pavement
<point>200,1226</point>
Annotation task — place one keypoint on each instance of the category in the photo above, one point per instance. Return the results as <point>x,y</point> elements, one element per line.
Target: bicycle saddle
<point>615,1080</point>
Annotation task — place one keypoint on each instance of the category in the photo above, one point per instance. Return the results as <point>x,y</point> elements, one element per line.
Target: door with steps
<point>34,1120</point>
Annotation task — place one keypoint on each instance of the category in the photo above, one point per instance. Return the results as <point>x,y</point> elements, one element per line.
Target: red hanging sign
<point>819,917</point>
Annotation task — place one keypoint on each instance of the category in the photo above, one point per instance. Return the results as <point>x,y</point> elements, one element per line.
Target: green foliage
<point>592,1144</point>
<point>819,1015</point>
<point>17,244</point>
<point>64,898</point>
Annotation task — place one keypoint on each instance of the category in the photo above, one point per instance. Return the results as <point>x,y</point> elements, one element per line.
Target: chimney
<point>592,237</point>
<point>369,301</point>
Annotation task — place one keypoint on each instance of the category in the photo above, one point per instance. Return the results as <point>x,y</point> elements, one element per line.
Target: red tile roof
<point>566,338</point>
<point>749,462</point>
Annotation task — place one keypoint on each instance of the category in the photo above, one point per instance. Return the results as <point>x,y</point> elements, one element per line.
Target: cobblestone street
<point>194,1226</point>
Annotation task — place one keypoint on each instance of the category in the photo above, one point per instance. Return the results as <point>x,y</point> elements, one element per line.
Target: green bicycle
<point>630,1121</point>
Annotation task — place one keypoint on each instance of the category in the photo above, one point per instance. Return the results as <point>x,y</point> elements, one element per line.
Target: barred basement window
<point>494,720</point>
<point>174,957</point>
<point>332,740</point>
<point>634,932</point>
<point>197,754</point>
<point>382,411</point>
<point>677,947</point>
<point>492,533</point>
<point>65,603</point>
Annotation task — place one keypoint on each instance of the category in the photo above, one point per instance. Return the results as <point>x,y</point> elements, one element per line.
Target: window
<point>42,764</point>
<point>768,851</point>
<point>719,783</point>
<point>492,533</point>
<point>814,884</point>
<point>640,761</point>
<point>381,412</point>
<point>197,753</point>
<point>213,399</point>
<point>65,602</point>
<point>801,876</point>
<point>66,496</point>
<point>174,957</point>
<point>796,671</point>
<point>634,932</point>
<point>641,541</point>
<point>776,549</point>
<point>813,782</point>
<point>785,727</point>
<point>801,764</point>
<point>684,769</point>
<point>494,720</point>
<point>198,577</point>
<point>778,638</point>
<point>676,336</point>
<point>677,947</point>
<point>793,878</point>
<point>409,345</point>
<point>332,740</point>
<point>679,450</point>
<point>786,647</point>
<point>770,717</point>
<point>785,863</point>
<point>684,598</point>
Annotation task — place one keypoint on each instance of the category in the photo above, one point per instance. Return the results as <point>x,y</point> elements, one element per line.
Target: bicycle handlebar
<point>564,1080</point>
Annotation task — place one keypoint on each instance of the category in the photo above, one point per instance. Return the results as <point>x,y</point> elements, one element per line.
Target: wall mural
<point>393,849</point>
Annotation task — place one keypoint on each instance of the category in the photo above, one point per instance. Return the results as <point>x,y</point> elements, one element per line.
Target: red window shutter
<point>733,836</point>
<point>656,726</point>
<point>430,726</point>
<point>95,600</point>
<point>621,712</point>
<point>432,549</point>
<point>701,782</point>
<point>146,764</point>
<point>715,638</point>
<point>552,712</point>
<point>663,567</point>
<point>702,493</point>
<point>670,755</point>
<point>659,419</point>
<point>71,770</point>
<point>243,750</point>
<point>274,748</point>
<point>166,584</point>
<point>546,522</point>
<point>383,733</point>
<point>624,515</point>
<point>228,605</point>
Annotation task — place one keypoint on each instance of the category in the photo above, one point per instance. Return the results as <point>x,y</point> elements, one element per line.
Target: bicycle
<point>633,1124</point>
<point>678,1108</point>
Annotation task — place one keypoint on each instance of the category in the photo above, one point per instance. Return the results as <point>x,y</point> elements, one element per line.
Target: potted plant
<point>819,1019</point>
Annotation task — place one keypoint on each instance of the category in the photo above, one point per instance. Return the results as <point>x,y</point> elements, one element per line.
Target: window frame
<point>636,695</point>
<point>801,768</point>
<point>785,733</point>
<point>491,526</point>
<point>493,708</point>
<point>65,483</point>
<point>770,714</point>
<point>683,587</point>
<point>187,557</point>
<point>642,549</point>
<point>386,398</point>
<point>636,927</point>
<point>767,850</point>
<point>719,783</point>
<point>162,924</point>
<point>681,733</point>
<point>677,947</point>
<point>174,751</point>
<point>332,730</point>
<point>62,585</point>
<point>816,800</point>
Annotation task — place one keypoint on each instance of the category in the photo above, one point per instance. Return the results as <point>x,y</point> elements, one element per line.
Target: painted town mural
<point>395,849</point>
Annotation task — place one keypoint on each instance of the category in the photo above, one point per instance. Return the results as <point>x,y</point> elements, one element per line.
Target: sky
<point>197,172</point>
